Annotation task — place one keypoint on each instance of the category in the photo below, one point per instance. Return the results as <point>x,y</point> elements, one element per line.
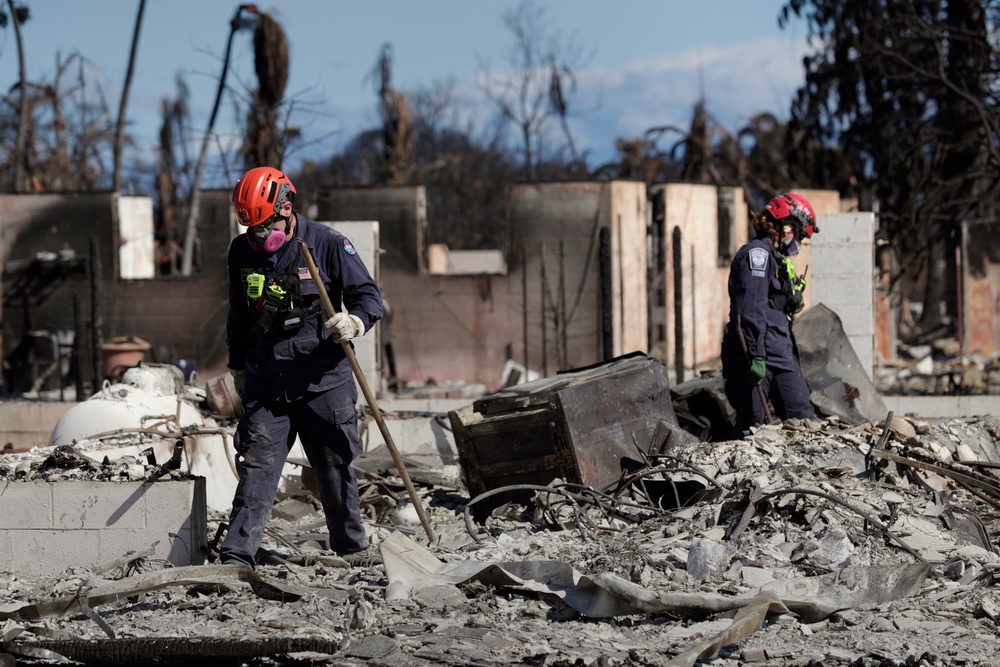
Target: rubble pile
<point>938,368</point>
<point>805,543</point>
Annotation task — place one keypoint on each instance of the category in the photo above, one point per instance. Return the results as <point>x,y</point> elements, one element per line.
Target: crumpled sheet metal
<point>409,566</point>
<point>113,591</point>
<point>748,620</point>
<point>816,598</point>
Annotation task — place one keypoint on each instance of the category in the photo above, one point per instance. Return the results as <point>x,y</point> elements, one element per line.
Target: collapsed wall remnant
<point>49,526</point>
<point>838,384</point>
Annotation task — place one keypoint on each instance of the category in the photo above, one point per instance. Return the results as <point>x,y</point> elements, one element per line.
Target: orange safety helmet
<point>795,207</point>
<point>259,195</point>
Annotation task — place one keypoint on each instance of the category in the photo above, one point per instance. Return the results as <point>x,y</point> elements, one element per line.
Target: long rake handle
<point>349,351</point>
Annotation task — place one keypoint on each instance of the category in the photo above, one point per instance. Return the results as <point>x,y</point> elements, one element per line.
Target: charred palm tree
<point>397,127</point>
<point>18,16</point>
<point>264,144</point>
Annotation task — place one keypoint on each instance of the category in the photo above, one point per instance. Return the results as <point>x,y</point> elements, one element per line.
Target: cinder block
<point>847,260</point>
<point>48,552</point>
<point>846,228</point>
<point>842,288</point>
<point>88,524</point>
<point>95,505</point>
<point>26,506</point>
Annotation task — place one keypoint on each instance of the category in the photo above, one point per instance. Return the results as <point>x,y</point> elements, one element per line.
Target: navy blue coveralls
<point>759,290</point>
<point>297,382</point>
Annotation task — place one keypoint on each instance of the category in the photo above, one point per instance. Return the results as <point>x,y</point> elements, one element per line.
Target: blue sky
<point>649,59</point>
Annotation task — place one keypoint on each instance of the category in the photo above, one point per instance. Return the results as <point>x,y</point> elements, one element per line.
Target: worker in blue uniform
<point>289,366</point>
<point>764,295</point>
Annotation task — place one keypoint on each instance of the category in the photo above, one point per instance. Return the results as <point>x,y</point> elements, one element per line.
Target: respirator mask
<point>265,237</point>
<point>790,246</point>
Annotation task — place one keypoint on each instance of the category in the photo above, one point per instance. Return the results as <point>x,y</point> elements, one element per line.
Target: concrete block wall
<point>842,277</point>
<point>183,318</point>
<point>629,279</point>
<point>554,232</point>
<point>46,527</point>
<point>981,273</point>
<point>401,212</point>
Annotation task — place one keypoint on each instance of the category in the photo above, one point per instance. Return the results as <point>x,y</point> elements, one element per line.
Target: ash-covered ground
<point>807,543</point>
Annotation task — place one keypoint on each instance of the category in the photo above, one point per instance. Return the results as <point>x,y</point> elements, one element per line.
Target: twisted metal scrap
<point>587,496</point>
<point>843,503</point>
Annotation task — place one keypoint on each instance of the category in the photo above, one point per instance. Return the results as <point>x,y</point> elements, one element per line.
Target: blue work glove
<point>757,370</point>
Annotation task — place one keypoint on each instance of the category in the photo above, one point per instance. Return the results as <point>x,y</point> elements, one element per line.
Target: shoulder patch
<point>348,248</point>
<point>758,261</point>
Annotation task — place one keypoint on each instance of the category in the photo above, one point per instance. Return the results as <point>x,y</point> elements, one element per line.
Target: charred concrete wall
<point>981,311</point>
<point>578,309</point>
<point>693,212</point>
<point>400,211</point>
<point>183,318</point>
<point>45,242</point>
<point>464,327</point>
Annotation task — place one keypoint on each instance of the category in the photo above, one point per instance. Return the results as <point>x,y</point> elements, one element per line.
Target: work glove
<point>343,327</point>
<point>237,380</point>
<point>757,370</point>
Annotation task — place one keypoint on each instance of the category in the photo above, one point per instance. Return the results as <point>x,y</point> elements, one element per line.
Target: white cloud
<point>662,89</point>
<point>657,90</point>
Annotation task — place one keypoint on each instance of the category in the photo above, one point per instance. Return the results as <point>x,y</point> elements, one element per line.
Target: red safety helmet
<point>259,194</point>
<point>795,207</point>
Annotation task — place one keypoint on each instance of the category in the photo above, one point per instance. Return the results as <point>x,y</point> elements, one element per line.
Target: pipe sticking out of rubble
<point>678,307</point>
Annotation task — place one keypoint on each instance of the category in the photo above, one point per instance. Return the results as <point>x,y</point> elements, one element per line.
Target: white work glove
<point>237,380</point>
<point>344,326</point>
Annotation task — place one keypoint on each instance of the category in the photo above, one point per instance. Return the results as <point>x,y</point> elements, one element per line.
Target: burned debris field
<point>810,542</point>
